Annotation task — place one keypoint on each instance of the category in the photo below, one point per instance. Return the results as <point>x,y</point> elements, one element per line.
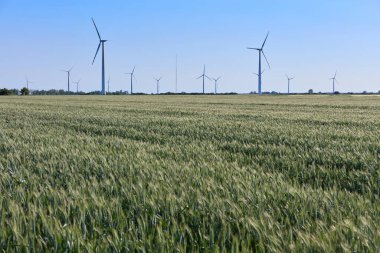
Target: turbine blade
<point>265,41</point>
<point>209,78</point>
<point>266,59</point>
<point>200,76</point>
<point>253,48</point>
<point>133,71</point>
<point>93,21</point>
<point>96,53</point>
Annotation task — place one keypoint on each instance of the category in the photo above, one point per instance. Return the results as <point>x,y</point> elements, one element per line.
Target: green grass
<point>190,173</point>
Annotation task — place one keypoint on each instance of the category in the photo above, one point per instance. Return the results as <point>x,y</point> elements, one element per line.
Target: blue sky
<point>308,39</point>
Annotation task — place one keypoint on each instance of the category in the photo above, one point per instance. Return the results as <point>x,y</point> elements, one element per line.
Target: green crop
<point>190,174</point>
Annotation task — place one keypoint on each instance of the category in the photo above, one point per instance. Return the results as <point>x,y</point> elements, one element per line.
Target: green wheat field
<point>190,174</point>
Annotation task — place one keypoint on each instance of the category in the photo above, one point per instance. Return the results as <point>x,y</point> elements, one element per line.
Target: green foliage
<point>24,91</point>
<point>190,174</point>
<point>7,92</point>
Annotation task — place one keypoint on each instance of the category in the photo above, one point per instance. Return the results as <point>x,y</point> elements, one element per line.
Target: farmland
<point>190,173</point>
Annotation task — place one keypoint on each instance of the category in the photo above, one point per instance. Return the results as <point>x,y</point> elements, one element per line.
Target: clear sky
<point>309,39</point>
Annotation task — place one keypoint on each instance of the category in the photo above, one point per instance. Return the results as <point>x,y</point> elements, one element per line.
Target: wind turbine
<point>216,83</point>
<point>334,80</point>
<point>27,82</point>
<point>158,84</point>
<point>261,51</point>
<point>176,73</point>
<point>108,84</point>
<point>262,72</point>
<point>203,77</point>
<point>289,79</point>
<point>68,78</point>
<point>132,74</point>
<point>77,83</point>
<point>101,43</point>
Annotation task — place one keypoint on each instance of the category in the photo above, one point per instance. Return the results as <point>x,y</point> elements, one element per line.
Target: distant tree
<point>24,91</point>
<point>5,92</point>
<point>378,92</point>
<point>336,92</point>
<point>310,91</point>
<point>364,92</point>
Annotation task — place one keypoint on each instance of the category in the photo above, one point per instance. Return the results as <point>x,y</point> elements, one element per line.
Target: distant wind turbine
<point>132,74</point>
<point>108,84</point>
<point>101,43</point>
<point>334,80</point>
<point>176,73</point>
<point>261,51</point>
<point>158,84</point>
<point>68,78</point>
<point>27,82</point>
<point>203,77</point>
<point>289,79</point>
<point>77,83</point>
<point>262,72</point>
<point>216,83</point>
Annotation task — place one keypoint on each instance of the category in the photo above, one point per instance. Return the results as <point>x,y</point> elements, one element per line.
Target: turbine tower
<point>68,78</point>
<point>289,79</point>
<point>261,52</point>
<point>101,43</point>
<point>77,83</point>
<point>203,78</point>
<point>334,80</point>
<point>216,83</point>
<point>158,84</point>
<point>132,74</point>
